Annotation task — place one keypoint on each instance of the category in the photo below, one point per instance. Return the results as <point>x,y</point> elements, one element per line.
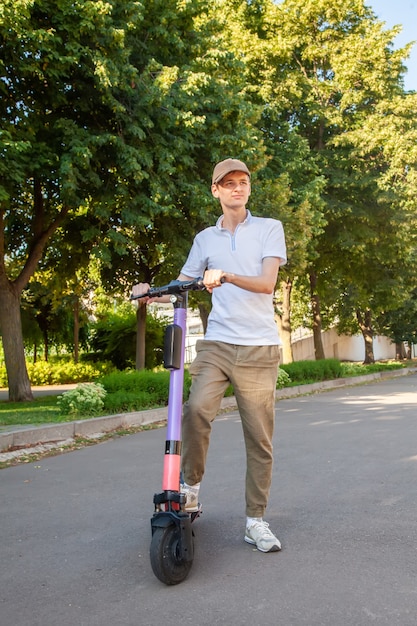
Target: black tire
<point>166,562</point>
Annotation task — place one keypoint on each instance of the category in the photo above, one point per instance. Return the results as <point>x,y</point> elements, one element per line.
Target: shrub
<point>49,373</point>
<point>3,376</point>
<point>127,401</point>
<point>312,371</point>
<point>85,399</point>
<point>46,373</point>
<point>371,368</point>
<point>359,369</point>
<point>155,384</point>
<point>114,339</point>
<point>283,379</point>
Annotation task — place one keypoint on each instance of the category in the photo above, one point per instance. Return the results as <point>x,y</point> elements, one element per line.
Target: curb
<point>92,428</point>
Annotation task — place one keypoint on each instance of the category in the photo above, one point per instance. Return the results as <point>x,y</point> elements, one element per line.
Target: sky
<point>403,12</point>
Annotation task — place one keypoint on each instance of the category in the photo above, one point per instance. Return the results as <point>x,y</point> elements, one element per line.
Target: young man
<point>239,258</point>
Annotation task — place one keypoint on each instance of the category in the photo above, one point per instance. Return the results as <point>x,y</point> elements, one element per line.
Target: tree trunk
<point>284,321</point>
<point>204,313</point>
<point>317,326</point>
<point>409,352</point>
<point>76,329</point>
<point>140,335</point>
<point>365,325</point>
<point>10,292</point>
<point>399,351</point>
<point>45,346</point>
<point>14,352</point>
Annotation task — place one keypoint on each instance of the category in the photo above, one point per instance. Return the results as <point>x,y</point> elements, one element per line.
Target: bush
<point>61,373</point>
<point>127,401</point>
<point>313,371</point>
<point>114,339</point>
<point>85,399</point>
<point>154,384</point>
<point>283,379</point>
<point>359,369</point>
<point>46,373</point>
<point>3,376</point>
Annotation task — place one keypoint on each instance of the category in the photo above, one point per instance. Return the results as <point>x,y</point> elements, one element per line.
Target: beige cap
<point>227,166</point>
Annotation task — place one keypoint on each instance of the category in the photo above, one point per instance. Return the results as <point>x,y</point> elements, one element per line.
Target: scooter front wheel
<point>166,561</point>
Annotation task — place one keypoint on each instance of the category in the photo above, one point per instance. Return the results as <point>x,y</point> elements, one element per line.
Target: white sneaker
<point>191,505</point>
<point>259,535</point>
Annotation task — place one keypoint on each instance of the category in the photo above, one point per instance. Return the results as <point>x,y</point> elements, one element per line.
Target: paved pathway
<point>44,390</point>
<point>76,528</point>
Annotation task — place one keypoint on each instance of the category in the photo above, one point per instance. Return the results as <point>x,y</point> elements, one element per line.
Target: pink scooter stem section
<point>171,474</point>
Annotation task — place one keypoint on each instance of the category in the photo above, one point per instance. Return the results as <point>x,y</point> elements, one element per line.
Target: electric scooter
<point>172,544</point>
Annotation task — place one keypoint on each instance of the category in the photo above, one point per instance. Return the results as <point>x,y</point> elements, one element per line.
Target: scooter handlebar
<point>174,287</point>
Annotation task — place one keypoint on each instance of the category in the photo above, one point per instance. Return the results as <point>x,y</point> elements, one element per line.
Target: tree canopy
<point>114,113</point>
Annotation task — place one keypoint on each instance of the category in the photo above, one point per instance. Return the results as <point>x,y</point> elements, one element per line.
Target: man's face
<point>233,190</point>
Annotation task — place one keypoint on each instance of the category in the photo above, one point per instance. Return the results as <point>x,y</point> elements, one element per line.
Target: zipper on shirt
<point>233,238</point>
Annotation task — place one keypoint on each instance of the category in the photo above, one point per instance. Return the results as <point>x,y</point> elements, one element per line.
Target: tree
<point>327,69</point>
<point>401,325</point>
<point>60,120</point>
<point>109,112</point>
<point>382,234</point>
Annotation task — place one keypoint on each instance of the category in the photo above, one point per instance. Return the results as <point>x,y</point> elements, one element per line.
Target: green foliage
<point>3,376</point>
<point>128,401</point>
<point>113,338</point>
<point>132,390</point>
<point>401,323</point>
<point>50,304</point>
<point>136,390</point>
<point>85,399</point>
<point>332,74</point>
<point>301,372</point>
<point>283,378</point>
<point>112,115</point>
<point>359,369</point>
<point>155,384</point>
<point>45,373</point>
<point>61,372</point>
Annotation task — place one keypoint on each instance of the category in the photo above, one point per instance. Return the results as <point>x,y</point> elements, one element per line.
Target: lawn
<point>42,410</point>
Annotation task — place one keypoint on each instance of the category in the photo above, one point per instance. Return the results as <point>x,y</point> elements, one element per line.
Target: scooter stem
<point>172,458</point>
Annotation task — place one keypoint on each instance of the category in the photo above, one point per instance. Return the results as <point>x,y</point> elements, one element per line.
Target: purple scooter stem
<point>172,459</point>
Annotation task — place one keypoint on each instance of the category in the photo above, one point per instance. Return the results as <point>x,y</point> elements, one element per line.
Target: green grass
<point>43,410</point>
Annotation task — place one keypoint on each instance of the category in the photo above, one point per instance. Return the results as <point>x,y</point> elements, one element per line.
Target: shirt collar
<point>219,223</point>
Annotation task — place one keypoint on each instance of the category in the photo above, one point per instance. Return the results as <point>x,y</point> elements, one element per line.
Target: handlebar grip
<point>142,295</point>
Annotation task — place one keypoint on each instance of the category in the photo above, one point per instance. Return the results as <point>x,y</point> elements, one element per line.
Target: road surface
<point>76,529</point>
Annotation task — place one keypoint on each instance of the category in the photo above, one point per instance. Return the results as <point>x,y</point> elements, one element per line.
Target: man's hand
<point>213,279</point>
<point>139,290</point>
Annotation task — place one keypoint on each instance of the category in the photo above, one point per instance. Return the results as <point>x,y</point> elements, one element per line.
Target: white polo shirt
<point>239,316</point>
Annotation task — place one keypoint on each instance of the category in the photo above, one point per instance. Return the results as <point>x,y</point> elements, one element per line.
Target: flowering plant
<point>85,399</point>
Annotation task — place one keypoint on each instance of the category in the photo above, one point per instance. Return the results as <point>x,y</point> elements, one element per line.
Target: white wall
<point>342,347</point>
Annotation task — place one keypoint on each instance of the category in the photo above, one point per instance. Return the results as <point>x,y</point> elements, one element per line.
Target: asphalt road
<point>76,530</point>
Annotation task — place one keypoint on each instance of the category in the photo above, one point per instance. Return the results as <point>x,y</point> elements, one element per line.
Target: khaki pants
<point>252,370</point>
